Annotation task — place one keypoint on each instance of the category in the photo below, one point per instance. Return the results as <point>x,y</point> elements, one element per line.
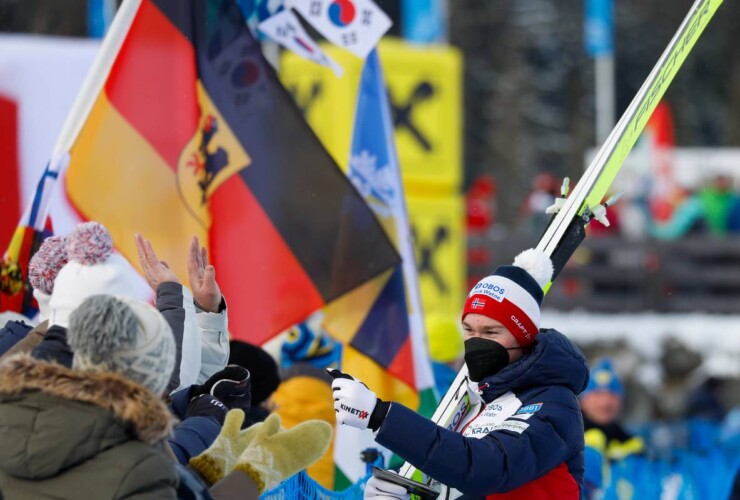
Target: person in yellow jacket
<point>305,390</point>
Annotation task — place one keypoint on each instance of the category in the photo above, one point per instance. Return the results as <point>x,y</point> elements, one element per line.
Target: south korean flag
<point>285,29</point>
<point>356,25</point>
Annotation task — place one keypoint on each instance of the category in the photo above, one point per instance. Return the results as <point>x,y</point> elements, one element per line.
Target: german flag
<point>192,133</point>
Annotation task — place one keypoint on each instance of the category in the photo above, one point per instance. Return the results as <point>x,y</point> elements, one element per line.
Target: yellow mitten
<point>221,457</point>
<point>269,459</point>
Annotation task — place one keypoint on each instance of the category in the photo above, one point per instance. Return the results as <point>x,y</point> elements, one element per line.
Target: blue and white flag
<point>374,170</point>
<point>393,332</point>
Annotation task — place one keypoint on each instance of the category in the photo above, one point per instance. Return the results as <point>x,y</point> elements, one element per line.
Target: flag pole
<point>605,96</point>
<point>422,371</point>
<point>37,208</point>
<point>95,79</point>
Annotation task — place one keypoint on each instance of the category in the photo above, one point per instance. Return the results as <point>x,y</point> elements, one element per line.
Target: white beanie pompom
<point>537,264</point>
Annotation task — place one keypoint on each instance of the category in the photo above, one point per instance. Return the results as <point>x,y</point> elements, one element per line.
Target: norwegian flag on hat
<point>478,303</point>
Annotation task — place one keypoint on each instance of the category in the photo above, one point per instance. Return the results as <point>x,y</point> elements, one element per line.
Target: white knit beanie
<point>125,336</point>
<point>42,300</point>
<point>92,269</point>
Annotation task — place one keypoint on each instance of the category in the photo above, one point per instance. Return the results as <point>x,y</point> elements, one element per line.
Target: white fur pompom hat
<point>512,295</point>
<point>92,269</point>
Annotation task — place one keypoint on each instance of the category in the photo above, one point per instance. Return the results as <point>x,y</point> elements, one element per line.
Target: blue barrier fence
<point>302,487</point>
<point>700,462</point>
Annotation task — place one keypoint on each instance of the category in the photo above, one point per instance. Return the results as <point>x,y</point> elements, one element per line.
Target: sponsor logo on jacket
<point>508,425</point>
<point>533,408</point>
<point>525,412</point>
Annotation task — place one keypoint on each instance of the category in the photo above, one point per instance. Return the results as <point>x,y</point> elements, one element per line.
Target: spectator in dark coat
<point>95,428</point>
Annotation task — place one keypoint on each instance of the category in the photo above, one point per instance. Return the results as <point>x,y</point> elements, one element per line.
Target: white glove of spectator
<point>379,489</point>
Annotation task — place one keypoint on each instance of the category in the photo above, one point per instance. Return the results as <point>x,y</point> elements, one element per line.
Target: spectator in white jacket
<point>205,337</point>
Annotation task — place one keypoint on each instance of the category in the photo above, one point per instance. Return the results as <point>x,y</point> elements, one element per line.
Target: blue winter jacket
<point>535,450</point>
<point>12,333</point>
<point>192,435</point>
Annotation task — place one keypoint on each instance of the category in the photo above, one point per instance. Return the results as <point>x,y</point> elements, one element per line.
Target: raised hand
<point>156,271</point>
<point>202,277</point>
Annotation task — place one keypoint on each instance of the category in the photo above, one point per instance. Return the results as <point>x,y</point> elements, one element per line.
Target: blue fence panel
<point>302,487</point>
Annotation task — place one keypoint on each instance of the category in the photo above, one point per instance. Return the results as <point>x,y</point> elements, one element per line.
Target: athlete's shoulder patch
<point>527,411</point>
<point>533,408</point>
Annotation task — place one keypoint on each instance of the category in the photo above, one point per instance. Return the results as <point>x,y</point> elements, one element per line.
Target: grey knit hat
<point>123,335</point>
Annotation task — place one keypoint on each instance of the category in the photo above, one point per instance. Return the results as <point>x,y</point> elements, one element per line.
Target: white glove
<point>379,489</point>
<point>353,401</point>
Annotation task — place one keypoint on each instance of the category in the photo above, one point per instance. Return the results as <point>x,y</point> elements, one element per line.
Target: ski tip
<point>537,264</point>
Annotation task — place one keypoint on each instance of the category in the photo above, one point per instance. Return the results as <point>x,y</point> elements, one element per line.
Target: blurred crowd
<point>712,208</point>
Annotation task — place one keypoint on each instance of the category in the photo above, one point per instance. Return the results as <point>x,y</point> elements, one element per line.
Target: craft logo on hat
<point>521,327</point>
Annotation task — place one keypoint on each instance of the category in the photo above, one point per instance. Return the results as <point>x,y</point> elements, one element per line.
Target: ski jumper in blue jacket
<point>521,435</point>
<point>526,441</point>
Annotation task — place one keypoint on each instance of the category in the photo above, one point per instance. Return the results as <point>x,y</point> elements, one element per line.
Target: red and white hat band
<point>508,302</point>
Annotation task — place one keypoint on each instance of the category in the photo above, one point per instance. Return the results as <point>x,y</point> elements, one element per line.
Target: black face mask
<point>485,358</point>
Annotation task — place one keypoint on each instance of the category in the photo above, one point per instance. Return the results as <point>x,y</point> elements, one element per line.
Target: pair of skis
<point>567,229</point>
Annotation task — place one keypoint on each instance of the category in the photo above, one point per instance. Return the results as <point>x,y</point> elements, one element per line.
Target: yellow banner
<point>424,86</point>
<point>439,236</point>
